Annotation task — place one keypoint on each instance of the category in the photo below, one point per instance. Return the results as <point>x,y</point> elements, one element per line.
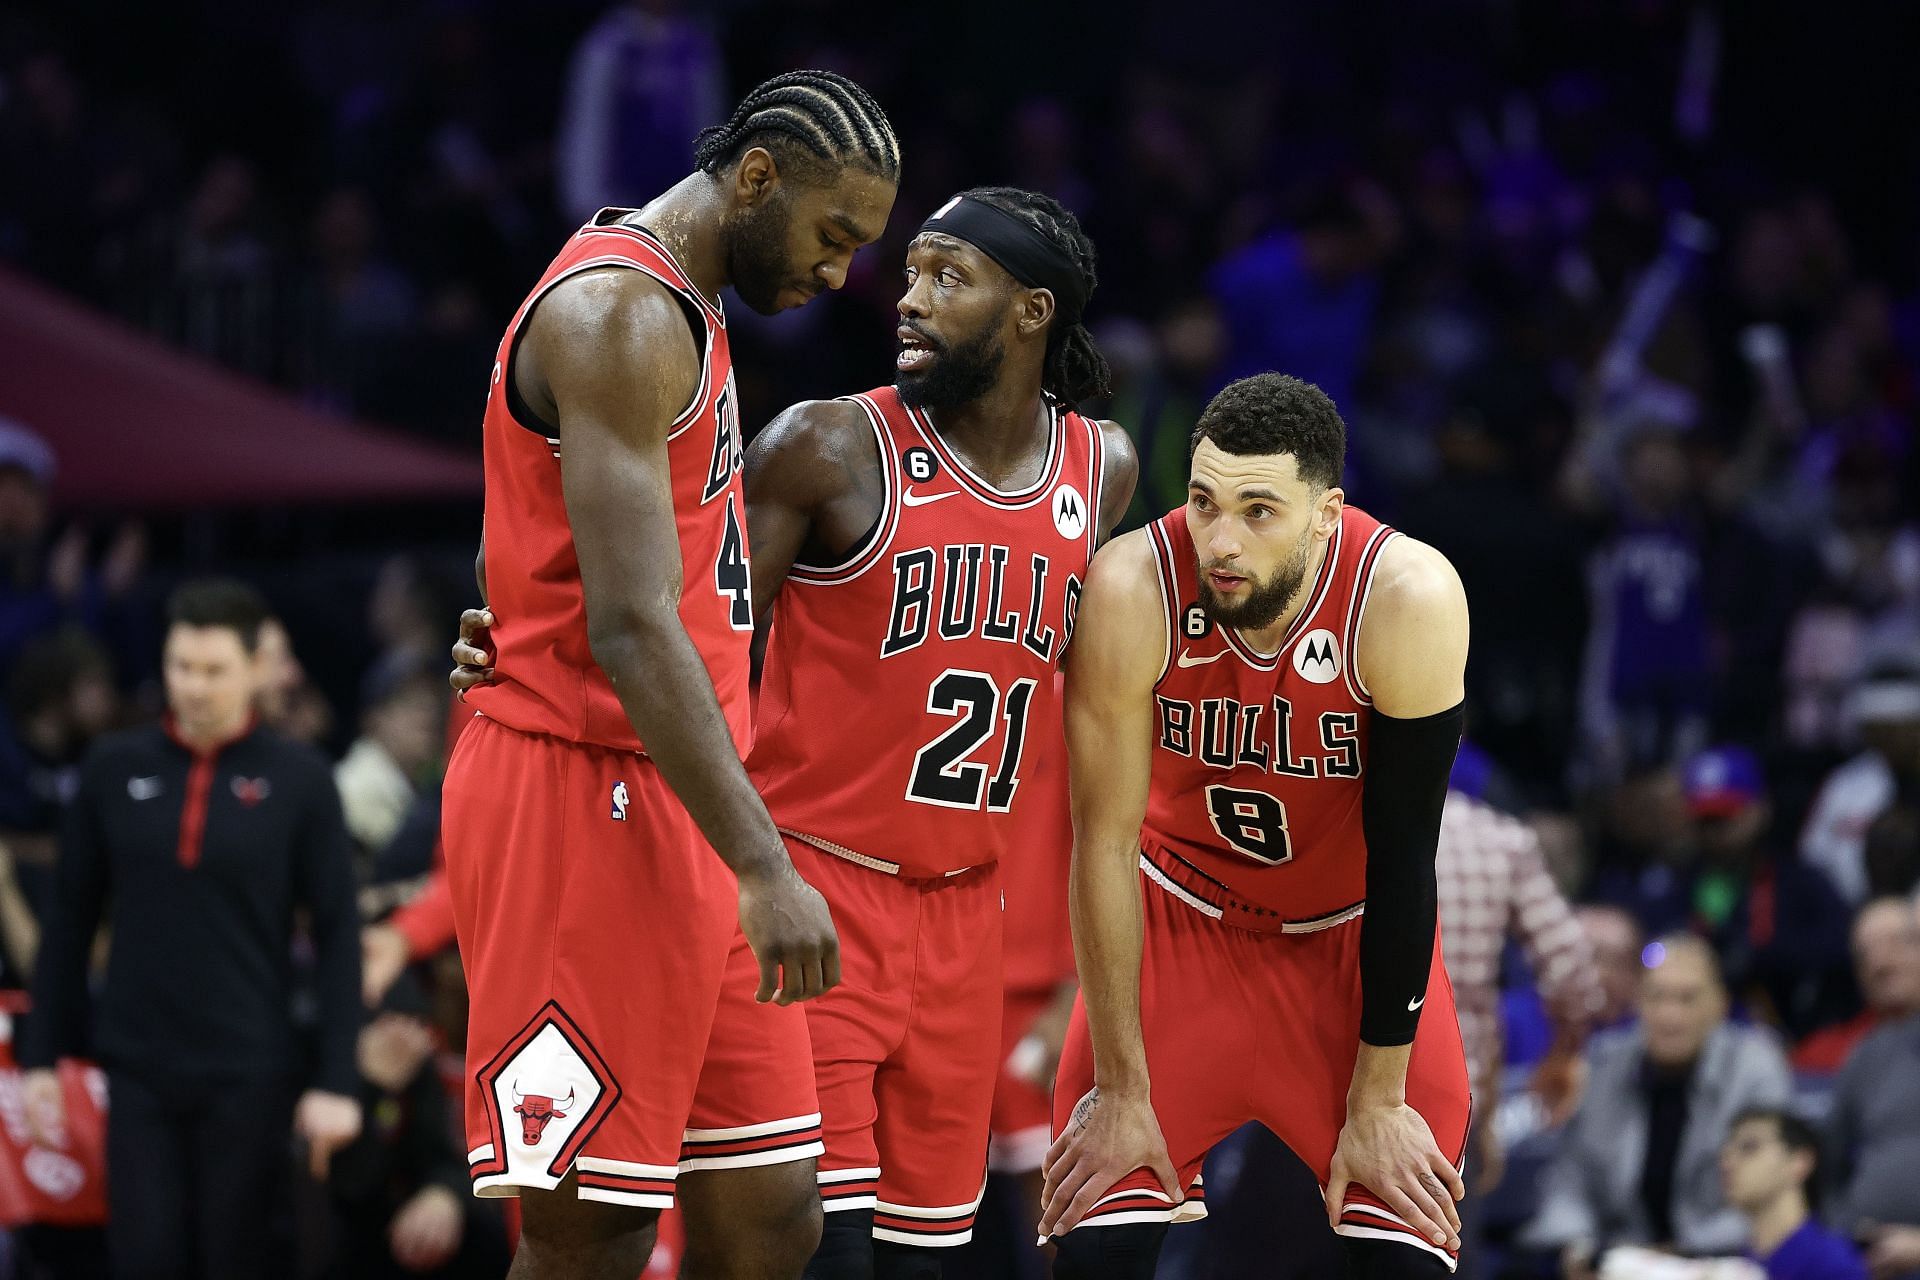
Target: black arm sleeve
<point>1408,765</point>
<point>327,891</point>
<point>57,1027</point>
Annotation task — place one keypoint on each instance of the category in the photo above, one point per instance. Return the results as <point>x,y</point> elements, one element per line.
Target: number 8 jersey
<point>547,679</point>
<point>898,688</point>
<point>1253,816</point>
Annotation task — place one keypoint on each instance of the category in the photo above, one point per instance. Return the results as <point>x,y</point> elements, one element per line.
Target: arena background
<point>1620,300</point>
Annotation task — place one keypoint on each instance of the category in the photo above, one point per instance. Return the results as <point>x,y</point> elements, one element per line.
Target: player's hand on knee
<point>1390,1151</point>
<point>1108,1137</point>
<point>791,932</point>
<point>473,651</point>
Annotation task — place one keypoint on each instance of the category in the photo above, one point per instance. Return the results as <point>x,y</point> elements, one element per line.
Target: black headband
<point>1028,256</point>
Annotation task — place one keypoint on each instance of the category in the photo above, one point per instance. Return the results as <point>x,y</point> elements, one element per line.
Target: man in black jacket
<point>200,841</point>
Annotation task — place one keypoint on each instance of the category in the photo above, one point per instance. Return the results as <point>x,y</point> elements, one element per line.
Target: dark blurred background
<point>1619,298</point>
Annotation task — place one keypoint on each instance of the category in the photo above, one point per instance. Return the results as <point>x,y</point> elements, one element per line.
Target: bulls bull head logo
<point>537,1111</point>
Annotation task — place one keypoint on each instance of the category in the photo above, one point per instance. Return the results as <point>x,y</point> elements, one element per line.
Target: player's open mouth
<point>1224,581</point>
<point>915,351</point>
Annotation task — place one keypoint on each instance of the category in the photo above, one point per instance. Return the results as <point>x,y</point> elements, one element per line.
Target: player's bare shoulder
<point>611,331</point>
<point>1121,632</point>
<point>818,445</point>
<point>1120,463</point>
<point>1412,646</point>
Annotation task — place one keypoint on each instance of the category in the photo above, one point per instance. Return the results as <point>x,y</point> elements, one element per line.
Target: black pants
<point>196,1171</point>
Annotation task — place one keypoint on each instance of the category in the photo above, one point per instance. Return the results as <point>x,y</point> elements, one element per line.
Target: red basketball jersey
<point>1038,946</point>
<point>1259,759</point>
<point>899,686</point>
<point>547,680</point>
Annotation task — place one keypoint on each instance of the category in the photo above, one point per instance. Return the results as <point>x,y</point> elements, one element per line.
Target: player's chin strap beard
<point>1028,256</point>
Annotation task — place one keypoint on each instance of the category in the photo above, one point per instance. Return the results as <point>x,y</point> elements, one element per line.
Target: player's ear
<point>756,177</point>
<point>1036,308</point>
<point>1332,503</point>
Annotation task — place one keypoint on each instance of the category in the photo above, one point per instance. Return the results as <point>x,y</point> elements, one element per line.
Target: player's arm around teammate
<point>613,353</point>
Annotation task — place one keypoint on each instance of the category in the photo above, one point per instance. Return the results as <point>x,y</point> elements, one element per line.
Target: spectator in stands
<point>287,701</point>
<point>197,842</point>
<point>1778,924</point>
<point>400,1195</point>
<point>1873,1147</point>
<point>1767,1166</point>
<point>1638,1164</point>
<point>1493,885</point>
<point>1886,959</point>
<point>1886,706</point>
<point>397,752</point>
<point>1616,941</point>
<point>645,79</point>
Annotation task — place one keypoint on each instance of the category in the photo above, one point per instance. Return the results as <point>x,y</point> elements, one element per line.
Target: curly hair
<point>1275,413</point>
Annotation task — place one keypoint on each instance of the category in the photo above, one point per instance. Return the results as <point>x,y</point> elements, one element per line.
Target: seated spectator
<point>1886,706</point>
<point>1886,958</point>
<point>1767,1166</point>
<point>1638,1164</point>
<point>287,701</point>
<point>400,1196</point>
<point>1873,1147</point>
<point>1616,941</point>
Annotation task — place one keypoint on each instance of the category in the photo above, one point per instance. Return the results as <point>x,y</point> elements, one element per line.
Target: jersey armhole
<point>1163,572</point>
<point>1357,612</point>
<point>522,413</point>
<point>865,549</point>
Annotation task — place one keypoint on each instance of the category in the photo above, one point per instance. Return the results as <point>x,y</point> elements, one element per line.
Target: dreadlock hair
<point>1075,370</point>
<point>813,123</point>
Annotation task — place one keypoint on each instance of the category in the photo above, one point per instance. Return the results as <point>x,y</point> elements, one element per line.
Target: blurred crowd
<point>1638,354</point>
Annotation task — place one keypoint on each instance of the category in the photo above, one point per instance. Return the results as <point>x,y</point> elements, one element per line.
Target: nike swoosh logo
<point>1188,660</point>
<point>1413,1006</point>
<point>913,499</point>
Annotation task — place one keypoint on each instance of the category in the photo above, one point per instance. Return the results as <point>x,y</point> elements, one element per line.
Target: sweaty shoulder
<point>1120,631</point>
<point>613,332</point>
<point>814,446</point>
<point>1122,472</point>
<point>1412,647</point>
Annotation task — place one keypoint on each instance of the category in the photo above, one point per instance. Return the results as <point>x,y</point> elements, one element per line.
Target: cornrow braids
<point>1075,371</point>
<point>814,122</point>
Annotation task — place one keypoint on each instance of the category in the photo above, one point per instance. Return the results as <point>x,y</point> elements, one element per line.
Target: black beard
<point>757,255</point>
<point>956,375</point>
<point>1266,602</point>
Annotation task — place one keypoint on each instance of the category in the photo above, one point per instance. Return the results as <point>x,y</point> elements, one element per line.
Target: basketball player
<point>1257,784</point>
<point>612,1043</point>
<point>923,546</point>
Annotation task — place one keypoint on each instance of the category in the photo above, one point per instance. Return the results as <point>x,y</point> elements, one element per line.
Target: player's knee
<point>1128,1252</point>
<point>845,1251</point>
<point>905,1262</point>
<point>562,1213</point>
<point>769,1237</point>
<point>1389,1260</point>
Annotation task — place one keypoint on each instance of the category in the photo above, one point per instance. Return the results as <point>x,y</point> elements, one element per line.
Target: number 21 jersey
<point>898,688</point>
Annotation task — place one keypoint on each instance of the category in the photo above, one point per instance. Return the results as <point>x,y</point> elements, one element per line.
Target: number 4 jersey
<point>898,687</point>
<point>548,681</point>
<point>1259,759</point>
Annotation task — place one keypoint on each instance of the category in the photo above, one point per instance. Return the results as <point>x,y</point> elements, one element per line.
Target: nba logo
<point>619,802</point>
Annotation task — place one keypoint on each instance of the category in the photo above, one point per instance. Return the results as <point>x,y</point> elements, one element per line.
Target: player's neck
<point>1778,1220</point>
<point>1267,639</point>
<point>687,217</point>
<point>995,433</point>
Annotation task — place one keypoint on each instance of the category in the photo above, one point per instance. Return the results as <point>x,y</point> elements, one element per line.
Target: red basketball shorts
<point>1022,1110</point>
<point>905,1048</point>
<point>612,1027</point>
<point>1243,1026</point>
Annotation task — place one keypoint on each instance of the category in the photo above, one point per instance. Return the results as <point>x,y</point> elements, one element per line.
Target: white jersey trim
<point>1169,608</point>
<point>1357,612</point>
<point>1017,500</point>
